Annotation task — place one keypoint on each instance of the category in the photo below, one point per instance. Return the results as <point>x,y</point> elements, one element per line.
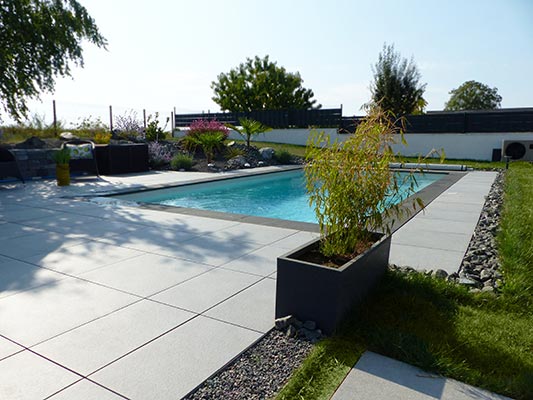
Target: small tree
<point>351,187</point>
<point>473,95</point>
<point>249,128</point>
<point>259,84</point>
<point>396,86</point>
<point>38,39</point>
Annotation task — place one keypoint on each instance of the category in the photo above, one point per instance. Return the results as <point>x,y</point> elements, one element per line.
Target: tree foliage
<point>396,86</point>
<point>259,84</point>
<point>38,40</point>
<point>473,95</point>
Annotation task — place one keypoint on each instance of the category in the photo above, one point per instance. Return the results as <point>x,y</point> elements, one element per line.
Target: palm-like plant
<point>248,128</point>
<point>209,142</point>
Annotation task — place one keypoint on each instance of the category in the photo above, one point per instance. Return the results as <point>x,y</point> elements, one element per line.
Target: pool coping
<point>427,195</point>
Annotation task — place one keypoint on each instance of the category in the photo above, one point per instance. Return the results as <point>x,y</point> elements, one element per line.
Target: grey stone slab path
<point>378,377</point>
<point>438,237</point>
<point>110,301</point>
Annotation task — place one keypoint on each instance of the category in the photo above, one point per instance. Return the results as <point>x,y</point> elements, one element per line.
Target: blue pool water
<point>279,195</point>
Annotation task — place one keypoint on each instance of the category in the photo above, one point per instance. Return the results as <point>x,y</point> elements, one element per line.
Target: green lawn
<point>479,339</point>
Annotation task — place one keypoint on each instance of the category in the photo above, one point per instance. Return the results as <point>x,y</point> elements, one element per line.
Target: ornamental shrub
<point>202,126</point>
<point>158,154</point>
<point>181,161</point>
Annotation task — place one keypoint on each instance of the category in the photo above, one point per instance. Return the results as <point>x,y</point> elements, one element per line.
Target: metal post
<point>111,119</point>
<point>55,117</point>
<point>172,121</point>
<point>144,117</point>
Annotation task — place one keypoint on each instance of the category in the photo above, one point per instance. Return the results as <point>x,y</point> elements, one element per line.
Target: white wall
<point>472,146</point>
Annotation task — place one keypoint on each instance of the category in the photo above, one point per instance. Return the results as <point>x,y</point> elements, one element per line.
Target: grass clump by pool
<point>480,339</point>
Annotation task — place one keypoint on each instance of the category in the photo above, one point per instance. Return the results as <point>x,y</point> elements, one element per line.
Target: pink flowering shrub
<point>158,154</point>
<point>201,126</point>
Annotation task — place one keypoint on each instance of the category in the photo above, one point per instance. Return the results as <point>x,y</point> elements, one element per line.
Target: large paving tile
<point>26,214</point>
<point>10,230</point>
<point>28,376</point>
<point>8,348</point>
<point>206,290</point>
<point>185,223</point>
<point>91,346</point>
<point>296,240</point>
<point>451,214</point>
<point>262,262</point>
<point>378,377</point>
<point>150,239</point>
<point>210,250</point>
<point>438,225</point>
<point>17,276</point>
<point>252,308</point>
<point>40,313</point>
<point>424,258</point>
<point>62,222</point>
<point>84,257</point>
<point>253,233</point>
<point>86,390</point>
<point>174,364</point>
<point>27,246</point>
<point>432,239</point>
<point>146,275</point>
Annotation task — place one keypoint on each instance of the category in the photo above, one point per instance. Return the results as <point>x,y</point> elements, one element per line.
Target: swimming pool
<point>280,195</point>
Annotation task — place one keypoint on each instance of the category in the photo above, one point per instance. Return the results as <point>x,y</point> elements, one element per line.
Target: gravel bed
<point>258,373</point>
<point>481,265</point>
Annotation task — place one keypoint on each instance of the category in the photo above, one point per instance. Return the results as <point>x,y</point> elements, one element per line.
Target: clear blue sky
<point>164,54</point>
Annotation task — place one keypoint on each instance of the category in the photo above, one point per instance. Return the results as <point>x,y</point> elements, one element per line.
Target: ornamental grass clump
<point>351,188</point>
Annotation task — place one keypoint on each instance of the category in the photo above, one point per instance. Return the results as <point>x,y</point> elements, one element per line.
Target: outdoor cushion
<point>80,151</point>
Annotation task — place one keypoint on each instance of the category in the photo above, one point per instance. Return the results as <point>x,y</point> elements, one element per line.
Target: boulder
<point>236,162</point>
<point>266,153</point>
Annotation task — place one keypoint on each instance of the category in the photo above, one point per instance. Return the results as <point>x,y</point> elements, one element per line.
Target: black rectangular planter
<point>313,292</point>
<point>122,159</point>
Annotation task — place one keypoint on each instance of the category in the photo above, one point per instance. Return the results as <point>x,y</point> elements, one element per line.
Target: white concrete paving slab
<point>174,364</point>
<point>17,276</point>
<point>26,376</point>
<point>206,290</point>
<point>85,390</point>
<point>10,230</point>
<point>378,377</point>
<point>296,240</point>
<point>37,243</point>
<point>423,258</point>
<point>145,275</point>
<point>252,308</point>
<point>40,313</point>
<point>262,262</point>
<point>92,346</point>
<point>253,233</point>
<point>439,237</point>
<point>8,348</point>
<point>212,251</point>
<point>77,259</point>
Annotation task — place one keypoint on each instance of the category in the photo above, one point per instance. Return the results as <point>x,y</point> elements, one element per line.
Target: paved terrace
<point>123,302</point>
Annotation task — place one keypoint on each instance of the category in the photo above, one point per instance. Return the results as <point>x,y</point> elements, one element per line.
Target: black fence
<point>327,118</point>
<point>503,120</point>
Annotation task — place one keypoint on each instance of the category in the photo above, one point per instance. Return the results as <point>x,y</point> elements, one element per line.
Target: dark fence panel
<point>327,118</point>
<point>510,120</point>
